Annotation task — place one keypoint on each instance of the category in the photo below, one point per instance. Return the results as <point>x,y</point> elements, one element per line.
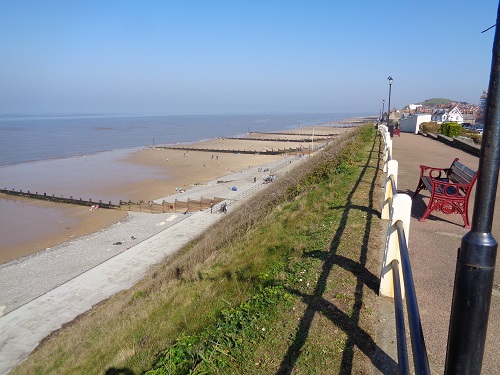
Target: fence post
<point>392,169</point>
<point>401,210</point>
<point>387,152</point>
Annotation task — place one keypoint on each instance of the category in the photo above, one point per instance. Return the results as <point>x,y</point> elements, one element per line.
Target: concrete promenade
<point>43,292</point>
<point>433,249</point>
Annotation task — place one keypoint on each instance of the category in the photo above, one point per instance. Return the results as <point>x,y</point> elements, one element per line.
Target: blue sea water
<point>24,139</point>
<point>81,156</point>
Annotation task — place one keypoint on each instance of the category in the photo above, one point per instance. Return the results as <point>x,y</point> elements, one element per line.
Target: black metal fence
<point>397,262</point>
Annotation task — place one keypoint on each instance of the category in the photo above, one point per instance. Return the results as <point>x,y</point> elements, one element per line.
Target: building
<point>411,123</point>
<point>444,115</point>
<point>414,107</point>
<point>482,101</point>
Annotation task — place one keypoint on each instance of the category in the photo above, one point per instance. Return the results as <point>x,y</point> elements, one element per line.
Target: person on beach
<point>211,207</point>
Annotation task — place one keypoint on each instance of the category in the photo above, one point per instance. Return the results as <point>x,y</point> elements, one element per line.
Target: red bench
<point>450,189</point>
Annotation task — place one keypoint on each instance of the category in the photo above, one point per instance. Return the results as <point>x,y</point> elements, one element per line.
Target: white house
<point>455,116</point>
<point>439,116</point>
<point>443,115</point>
<point>411,123</point>
<point>413,107</point>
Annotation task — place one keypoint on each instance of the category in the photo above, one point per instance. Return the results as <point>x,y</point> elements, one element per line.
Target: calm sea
<point>24,139</point>
<point>80,156</point>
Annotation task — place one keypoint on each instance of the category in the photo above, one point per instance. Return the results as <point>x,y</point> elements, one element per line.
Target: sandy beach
<point>50,288</point>
<point>51,224</point>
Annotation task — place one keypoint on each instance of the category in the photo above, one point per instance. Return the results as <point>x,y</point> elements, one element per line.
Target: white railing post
<point>387,153</point>
<point>401,210</point>
<point>392,169</point>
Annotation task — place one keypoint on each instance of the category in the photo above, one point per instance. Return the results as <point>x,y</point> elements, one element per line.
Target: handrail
<point>397,208</point>
<point>420,360</point>
<point>392,179</point>
<point>403,365</point>
<point>243,194</point>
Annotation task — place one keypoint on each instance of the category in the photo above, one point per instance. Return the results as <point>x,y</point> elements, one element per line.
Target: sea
<point>76,155</point>
<point>35,138</point>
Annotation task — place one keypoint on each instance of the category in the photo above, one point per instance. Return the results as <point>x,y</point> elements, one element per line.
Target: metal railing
<point>397,209</point>
<point>228,202</point>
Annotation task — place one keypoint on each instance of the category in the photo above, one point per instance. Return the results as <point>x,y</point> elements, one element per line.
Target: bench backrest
<point>461,174</point>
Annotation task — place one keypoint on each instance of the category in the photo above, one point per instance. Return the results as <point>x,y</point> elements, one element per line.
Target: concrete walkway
<point>35,307</point>
<point>433,250</point>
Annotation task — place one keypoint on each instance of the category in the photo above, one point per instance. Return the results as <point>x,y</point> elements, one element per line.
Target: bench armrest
<point>449,189</point>
<point>434,172</point>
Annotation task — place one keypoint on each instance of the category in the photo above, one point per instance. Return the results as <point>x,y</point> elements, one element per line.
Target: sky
<point>240,56</point>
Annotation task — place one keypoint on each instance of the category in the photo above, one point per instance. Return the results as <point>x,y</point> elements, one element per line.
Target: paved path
<point>42,292</point>
<point>433,250</point>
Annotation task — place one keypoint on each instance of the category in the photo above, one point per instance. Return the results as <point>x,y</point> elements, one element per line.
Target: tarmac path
<point>433,249</point>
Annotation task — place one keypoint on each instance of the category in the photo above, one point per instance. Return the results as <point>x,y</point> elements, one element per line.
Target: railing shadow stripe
<point>317,304</point>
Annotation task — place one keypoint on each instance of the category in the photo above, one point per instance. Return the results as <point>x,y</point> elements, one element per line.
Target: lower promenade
<point>433,250</point>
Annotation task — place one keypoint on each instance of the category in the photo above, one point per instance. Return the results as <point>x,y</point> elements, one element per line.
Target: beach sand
<point>47,290</point>
<point>38,225</point>
<point>34,225</point>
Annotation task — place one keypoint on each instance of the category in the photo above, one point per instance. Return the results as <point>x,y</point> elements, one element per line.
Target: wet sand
<point>28,226</point>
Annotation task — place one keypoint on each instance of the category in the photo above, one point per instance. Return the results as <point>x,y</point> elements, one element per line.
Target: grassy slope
<point>286,284</point>
<point>436,101</point>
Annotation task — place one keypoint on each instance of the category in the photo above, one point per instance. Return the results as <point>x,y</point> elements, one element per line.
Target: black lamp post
<point>390,127</point>
<point>389,104</point>
<point>476,260</point>
<point>383,106</point>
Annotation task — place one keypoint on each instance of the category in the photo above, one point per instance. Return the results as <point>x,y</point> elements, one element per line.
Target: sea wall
<point>470,148</point>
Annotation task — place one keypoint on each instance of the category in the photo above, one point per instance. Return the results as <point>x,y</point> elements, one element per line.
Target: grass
<point>284,284</point>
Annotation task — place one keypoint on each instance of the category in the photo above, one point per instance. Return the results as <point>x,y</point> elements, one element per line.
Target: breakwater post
<point>53,198</point>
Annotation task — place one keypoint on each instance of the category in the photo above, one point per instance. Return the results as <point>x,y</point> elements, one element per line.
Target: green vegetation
<point>430,127</point>
<point>451,129</point>
<point>436,101</point>
<point>286,283</point>
<point>476,138</point>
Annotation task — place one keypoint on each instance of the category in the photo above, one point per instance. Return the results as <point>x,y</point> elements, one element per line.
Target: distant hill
<point>436,101</point>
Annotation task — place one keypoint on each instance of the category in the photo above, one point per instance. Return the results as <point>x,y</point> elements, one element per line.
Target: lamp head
<point>390,80</point>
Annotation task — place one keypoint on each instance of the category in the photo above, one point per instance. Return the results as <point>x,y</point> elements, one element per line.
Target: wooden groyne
<point>141,206</point>
<point>53,198</point>
<point>302,140</point>
<point>279,151</point>
<point>323,135</point>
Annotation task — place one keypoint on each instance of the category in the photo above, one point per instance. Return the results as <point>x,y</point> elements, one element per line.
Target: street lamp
<point>476,259</point>
<point>389,104</point>
<point>383,105</point>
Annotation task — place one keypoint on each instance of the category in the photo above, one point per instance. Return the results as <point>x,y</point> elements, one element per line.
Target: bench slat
<point>461,174</point>
<point>461,170</point>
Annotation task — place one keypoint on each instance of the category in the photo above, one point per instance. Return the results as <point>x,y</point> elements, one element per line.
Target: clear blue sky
<point>240,56</point>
